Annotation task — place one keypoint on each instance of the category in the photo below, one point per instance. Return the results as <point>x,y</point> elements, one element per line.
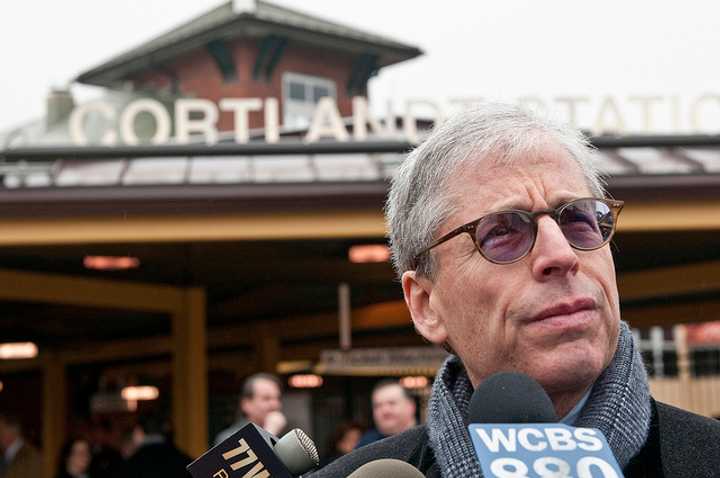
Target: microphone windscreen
<point>297,451</point>
<point>386,468</point>
<point>510,397</point>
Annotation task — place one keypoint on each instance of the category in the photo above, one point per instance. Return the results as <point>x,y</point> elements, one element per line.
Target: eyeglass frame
<point>470,227</point>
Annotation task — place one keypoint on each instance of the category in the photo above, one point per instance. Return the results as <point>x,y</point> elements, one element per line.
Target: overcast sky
<point>504,49</point>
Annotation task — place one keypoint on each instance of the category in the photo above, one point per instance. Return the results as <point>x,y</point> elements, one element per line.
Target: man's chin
<point>566,372</point>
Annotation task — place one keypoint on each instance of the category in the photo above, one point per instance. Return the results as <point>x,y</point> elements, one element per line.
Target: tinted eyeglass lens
<point>504,237</point>
<point>586,223</point>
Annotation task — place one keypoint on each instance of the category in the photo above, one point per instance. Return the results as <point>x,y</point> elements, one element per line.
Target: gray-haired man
<point>500,233</point>
<point>260,403</point>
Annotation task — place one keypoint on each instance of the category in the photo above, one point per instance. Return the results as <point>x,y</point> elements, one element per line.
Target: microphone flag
<point>542,450</point>
<point>245,454</point>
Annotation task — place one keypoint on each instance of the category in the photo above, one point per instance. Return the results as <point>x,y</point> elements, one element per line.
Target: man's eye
<point>497,231</point>
<point>579,216</point>
<point>497,234</point>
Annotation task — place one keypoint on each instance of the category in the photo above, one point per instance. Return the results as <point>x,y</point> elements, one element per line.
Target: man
<point>20,459</point>
<point>105,458</point>
<point>393,412</point>
<point>260,404</point>
<point>500,235</point>
<point>152,454</point>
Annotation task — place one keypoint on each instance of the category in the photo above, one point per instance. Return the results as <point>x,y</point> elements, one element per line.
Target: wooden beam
<point>669,281</point>
<point>54,412</point>
<point>638,216</point>
<point>81,291</point>
<point>190,386</point>
<point>677,215</point>
<point>381,316</point>
<point>672,314</point>
<point>371,317</point>
<point>118,350</point>
<point>311,351</point>
<point>10,366</point>
<point>207,227</point>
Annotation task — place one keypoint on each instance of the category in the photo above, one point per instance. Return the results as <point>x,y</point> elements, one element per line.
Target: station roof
<point>247,18</point>
<point>294,170</point>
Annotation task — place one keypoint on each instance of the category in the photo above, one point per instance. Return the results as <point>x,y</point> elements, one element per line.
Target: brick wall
<point>198,76</point>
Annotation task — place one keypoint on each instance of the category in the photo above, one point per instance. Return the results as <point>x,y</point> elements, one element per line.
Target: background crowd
<point>147,450</point>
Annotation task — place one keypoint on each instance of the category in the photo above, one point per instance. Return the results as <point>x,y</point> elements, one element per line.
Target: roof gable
<point>246,18</point>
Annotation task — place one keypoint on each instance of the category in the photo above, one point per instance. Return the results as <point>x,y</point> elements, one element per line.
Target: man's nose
<point>552,256</point>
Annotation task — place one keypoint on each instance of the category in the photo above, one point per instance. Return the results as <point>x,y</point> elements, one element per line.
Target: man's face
<point>489,313</point>
<point>265,399</point>
<point>392,411</point>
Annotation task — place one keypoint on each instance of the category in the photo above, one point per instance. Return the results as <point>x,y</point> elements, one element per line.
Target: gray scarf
<point>618,405</point>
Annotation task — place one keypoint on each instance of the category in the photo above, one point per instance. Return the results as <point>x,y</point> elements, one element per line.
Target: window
<point>300,95</point>
<point>658,351</point>
<point>705,361</point>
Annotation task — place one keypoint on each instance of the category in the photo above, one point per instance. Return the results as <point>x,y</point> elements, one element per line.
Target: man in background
<point>19,458</point>
<point>393,412</point>
<point>259,404</point>
<point>152,453</point>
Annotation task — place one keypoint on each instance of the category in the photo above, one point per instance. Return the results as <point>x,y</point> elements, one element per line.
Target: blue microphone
<point>514,429</point>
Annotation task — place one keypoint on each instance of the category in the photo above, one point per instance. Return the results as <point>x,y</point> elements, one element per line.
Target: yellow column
<point>54,412</point>
<point>190,387</point>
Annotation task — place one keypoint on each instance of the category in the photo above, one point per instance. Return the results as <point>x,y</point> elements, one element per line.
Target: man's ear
<point>418,292</point>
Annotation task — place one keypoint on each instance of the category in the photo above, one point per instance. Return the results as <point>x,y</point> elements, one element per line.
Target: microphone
<point>514,429</point>
<point>510,397</point>
<point>252,452</point>
<point>386,468</point>
<point>297,451</point>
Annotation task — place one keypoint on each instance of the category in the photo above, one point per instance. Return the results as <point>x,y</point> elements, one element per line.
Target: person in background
<point>154,454</point>
<point>127,444</point>
<point>260,404</point>
<point>105,458</point>
<point>343,440</point>
<point>20,459</point>
<point>75,459</point>
<point>393,412</point>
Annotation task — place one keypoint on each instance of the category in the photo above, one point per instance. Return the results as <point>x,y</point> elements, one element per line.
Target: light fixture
<point>144,392</point>
<point>413,382</point>
<point>367,253</point>
<point>18,350</point>
<point>111,263</point>
<point>309,380</point>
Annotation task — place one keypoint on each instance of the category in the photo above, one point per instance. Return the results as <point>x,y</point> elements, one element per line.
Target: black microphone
<point>514,430</point>
<point>386,468</point>
<point>510,397</point>
<point>252,452</point>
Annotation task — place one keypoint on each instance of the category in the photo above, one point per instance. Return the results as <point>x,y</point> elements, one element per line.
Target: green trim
<point>222,55</point>
<point>271,49</point>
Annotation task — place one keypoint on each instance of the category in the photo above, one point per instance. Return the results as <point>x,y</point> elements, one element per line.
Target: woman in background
<point>74,459</point>
<point>343,440</point>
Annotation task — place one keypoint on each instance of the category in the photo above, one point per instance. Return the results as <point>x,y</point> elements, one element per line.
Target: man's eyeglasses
<point>505,237</point>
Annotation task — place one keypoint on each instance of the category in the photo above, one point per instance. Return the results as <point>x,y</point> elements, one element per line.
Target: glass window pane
<point>320,92</point>
<point>297,91</point>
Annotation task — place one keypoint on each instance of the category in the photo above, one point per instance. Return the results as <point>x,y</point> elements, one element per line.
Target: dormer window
<point>300,95</point>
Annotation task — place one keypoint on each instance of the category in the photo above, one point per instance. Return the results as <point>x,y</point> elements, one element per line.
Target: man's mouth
<point>565,309</point>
